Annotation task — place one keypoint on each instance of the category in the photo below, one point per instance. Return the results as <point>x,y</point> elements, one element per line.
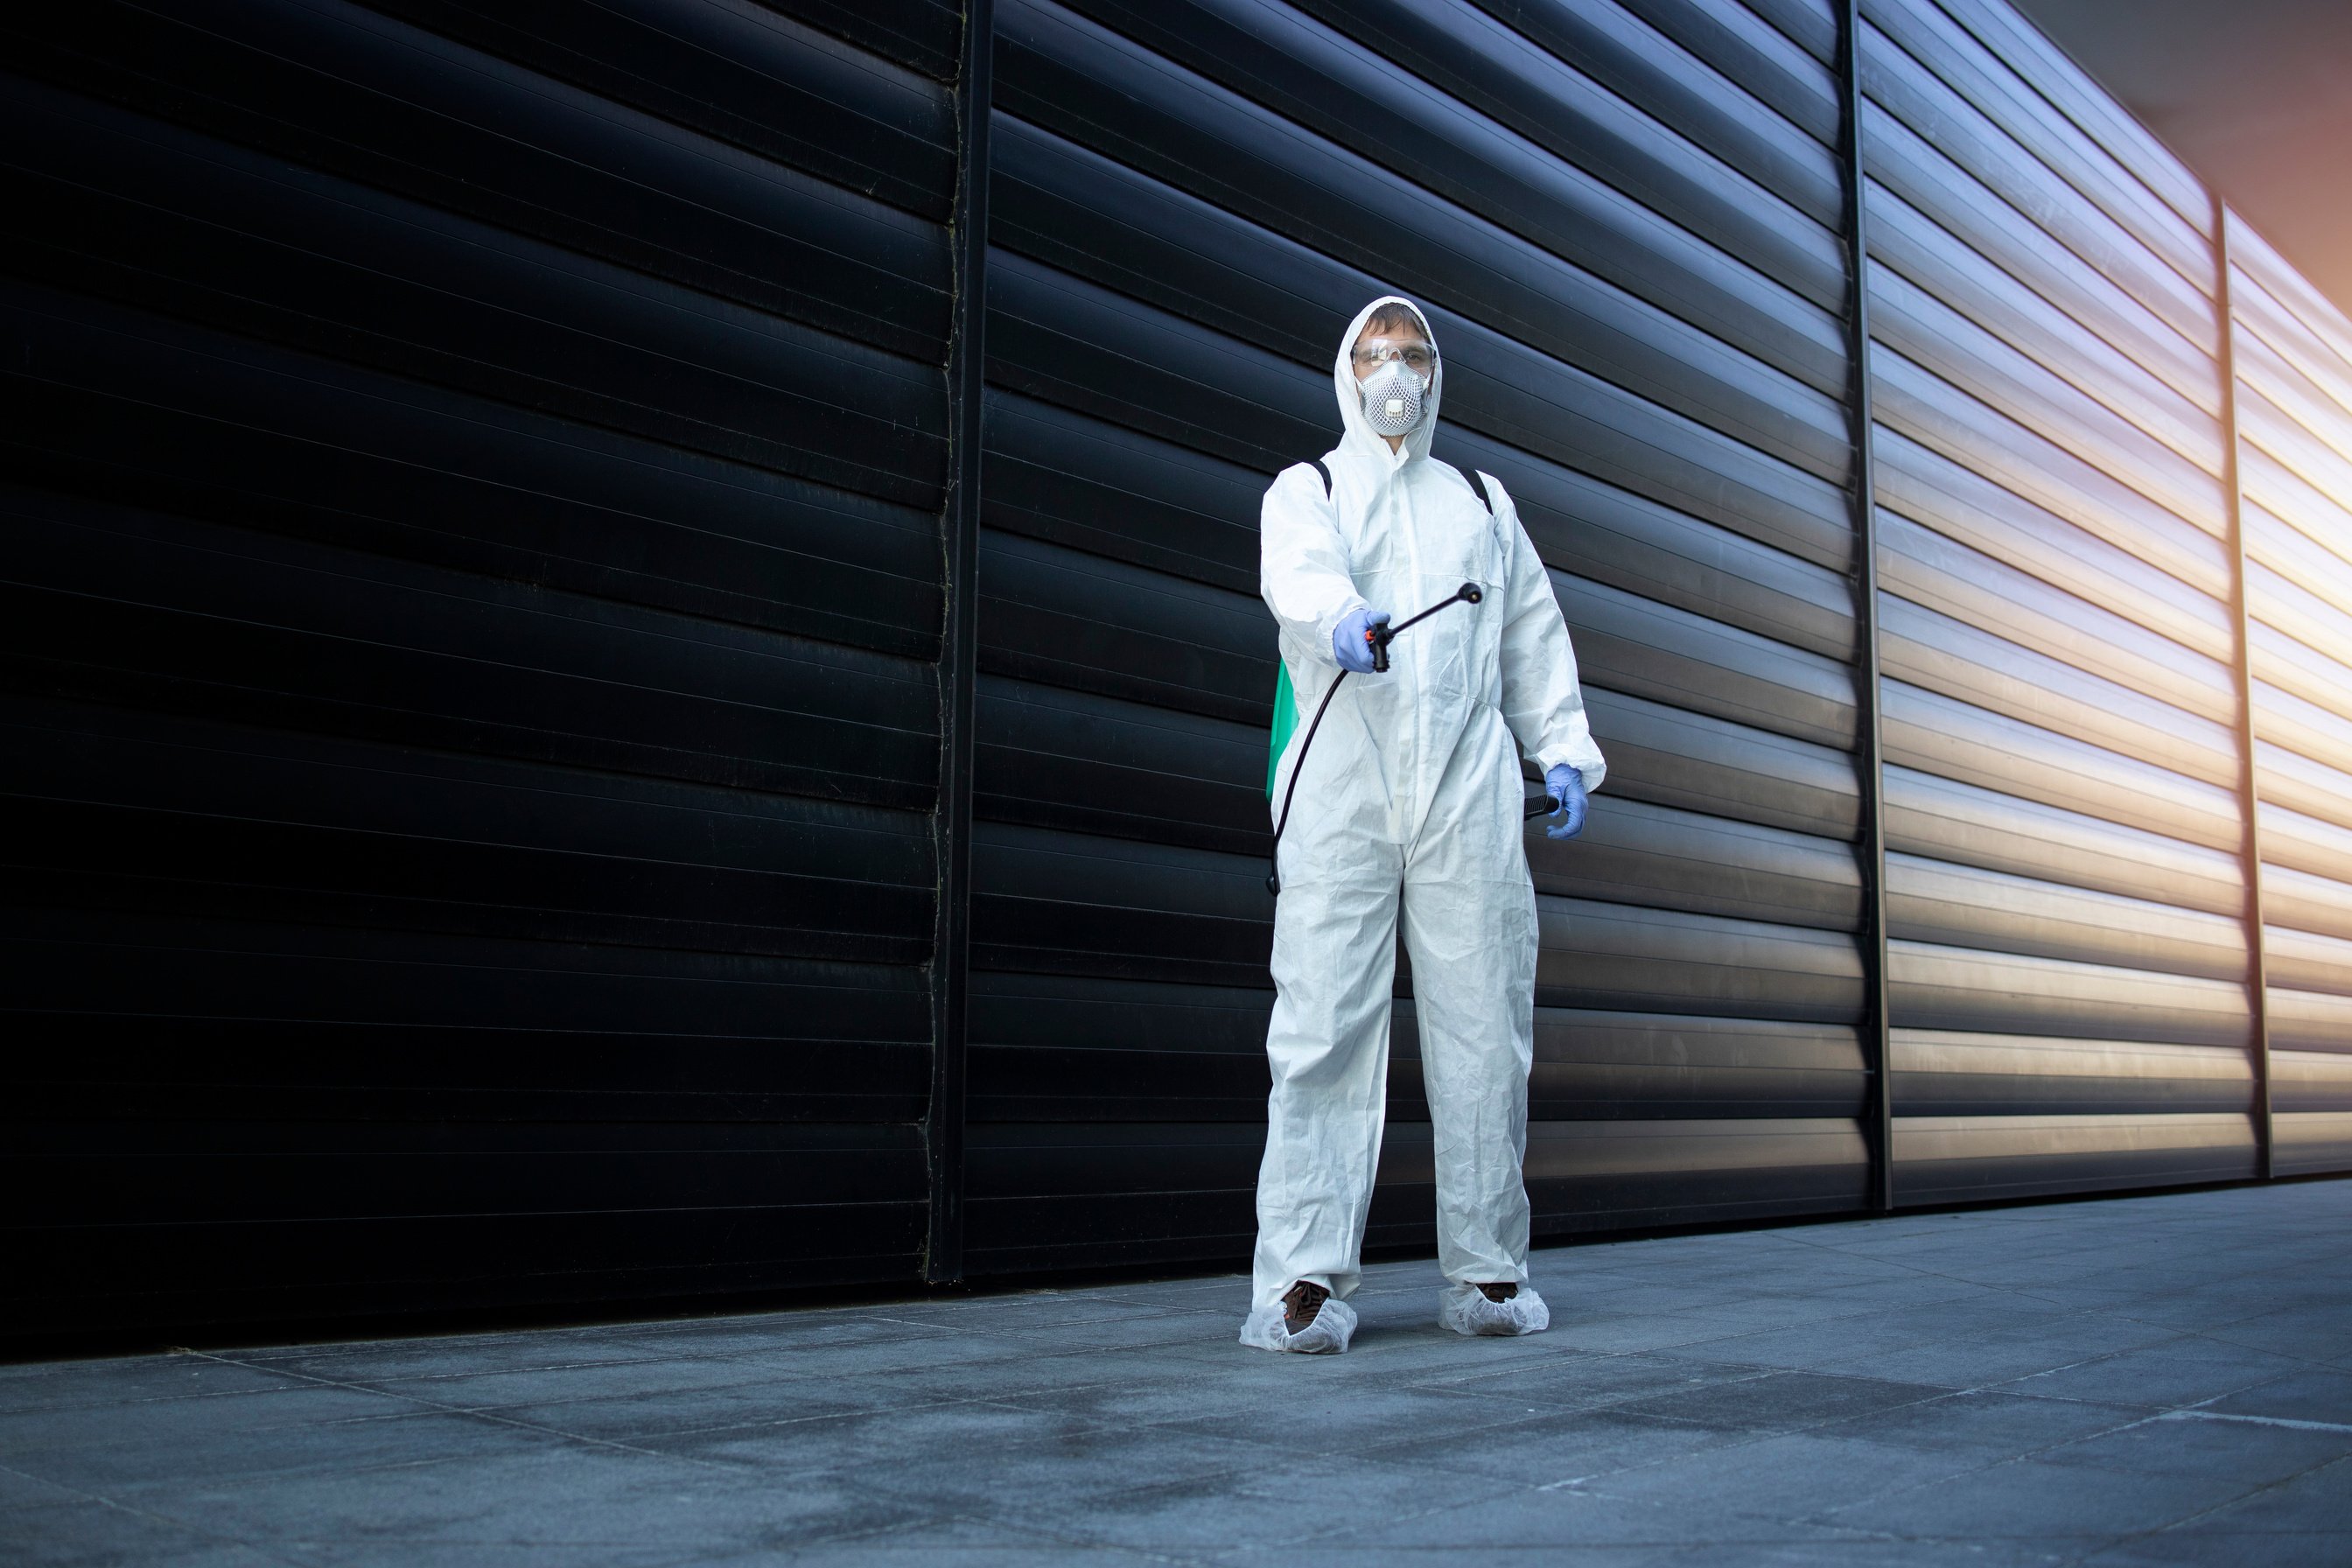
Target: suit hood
<point>1360,436</point>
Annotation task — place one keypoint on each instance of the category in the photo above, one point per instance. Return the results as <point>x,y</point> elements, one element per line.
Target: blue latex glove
<point>1347,644</point>
<point>1565,785</point>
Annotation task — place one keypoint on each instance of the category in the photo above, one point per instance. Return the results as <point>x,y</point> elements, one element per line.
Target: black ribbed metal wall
<point>473,606</point>
<point>485,605</point>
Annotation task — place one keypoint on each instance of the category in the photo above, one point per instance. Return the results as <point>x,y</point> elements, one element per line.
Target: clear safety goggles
<point>1419,357</point>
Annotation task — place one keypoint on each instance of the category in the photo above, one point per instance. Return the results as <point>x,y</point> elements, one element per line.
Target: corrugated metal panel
<point>2294,387</point>
<point>1640,344</point>
<point>473,597</point>
<point>2070,971</point>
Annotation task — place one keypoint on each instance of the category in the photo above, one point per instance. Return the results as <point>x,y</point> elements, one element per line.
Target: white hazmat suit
<point>1411,787</point>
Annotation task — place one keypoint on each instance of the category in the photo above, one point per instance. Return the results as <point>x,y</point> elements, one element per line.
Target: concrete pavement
<point>2141,1381</point>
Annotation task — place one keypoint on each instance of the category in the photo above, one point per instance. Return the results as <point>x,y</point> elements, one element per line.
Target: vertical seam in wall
<point>943,1127</point>
<point>2248,784</point>
<point>1870,757</point>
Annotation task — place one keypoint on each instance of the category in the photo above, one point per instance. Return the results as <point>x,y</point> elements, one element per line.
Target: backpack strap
<point>1478,482</point>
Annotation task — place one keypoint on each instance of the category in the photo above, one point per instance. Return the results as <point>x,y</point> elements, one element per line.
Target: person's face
<point>1376,345</point>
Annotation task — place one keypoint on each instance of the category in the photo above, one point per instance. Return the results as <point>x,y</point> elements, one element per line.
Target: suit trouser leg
<point>1470,931</point>
<point>1328,1045</point>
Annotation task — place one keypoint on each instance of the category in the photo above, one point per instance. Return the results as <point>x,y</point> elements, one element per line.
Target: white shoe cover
<point>1328,1334</point>
<point>1465,1309</point>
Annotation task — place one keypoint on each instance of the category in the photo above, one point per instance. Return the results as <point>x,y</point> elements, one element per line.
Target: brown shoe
<point>1299,1305</point>
<point>1499,1292</point>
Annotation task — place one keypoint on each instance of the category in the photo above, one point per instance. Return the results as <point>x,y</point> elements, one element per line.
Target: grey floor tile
<point>2162,1376</point>
<point>1012,1479</point>
<point>2310,1393</point>
<point>2004,1354</point>
<point>1782,1400</point>
<point>1550,1518</point>
<point>2318,1502</point>
<point>136,1467</point>
<point>2245,1450</point>
<point>19,1489</point>
<point>136,1380</point>
<point>748,1401</point>
<point>93,1534</point>
<point>1586,1382</point>
<point>1554,1448</point>
<point>1994,1425</point>
<point>2030,1499</point>
<point>875,1442</point>
<point>1294,1502</point>
<point>582,1496</point>
<point>2217,1549</point>
<point>175,1422</point>
<point>1793,1476</point>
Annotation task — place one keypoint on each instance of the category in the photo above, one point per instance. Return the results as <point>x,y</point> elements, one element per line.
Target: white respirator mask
<point>1393,397</point>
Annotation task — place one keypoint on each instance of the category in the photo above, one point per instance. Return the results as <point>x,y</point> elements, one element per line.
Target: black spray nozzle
<point>1380,635</point>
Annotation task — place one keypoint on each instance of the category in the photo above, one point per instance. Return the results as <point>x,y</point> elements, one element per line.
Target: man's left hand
<point>1565,785</point>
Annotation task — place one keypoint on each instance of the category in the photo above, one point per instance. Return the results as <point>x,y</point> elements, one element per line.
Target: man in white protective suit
<point>1411,788</point>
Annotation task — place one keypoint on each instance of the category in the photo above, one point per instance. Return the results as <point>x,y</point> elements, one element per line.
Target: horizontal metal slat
<point>2148,376</point>
<point>1941,735</point>
<point>1062,618</point>
<point>2071,90</point>
<point>128,409</point>
<point>2013,123</point>
<point>2307,960</point>
<point>2178,586</point>
<point>2311,1143</point>
<point>1956,906</point>
<point>1640,64</point>
<point>2306,1081</point>
<point>1911,165</point>
<point>2176,464</point>
<point>1053,758</point>
<point>1956,989</point>
<point>1646,649</point>
<point>1971,825</point>
<point>250,246</point>
<point>187,617</point>
<point>1619,958</point>
<point>1058,476</point>
<point>1721,768</point>
<point>1796,81</point>
<point>1926,101</point>
<point>2309,1020</point>
<point>1633,852</point>
<point>141,811</point>
<point>2300,902</point>
<point>1937,653</point>
<point>1118,97</point>
<point>1319,80</point>
<point>753,78</point>
<point>1954,1159</point>
<point>373,99</point>
<point>1925,568</point>
<point>1953,1073</point>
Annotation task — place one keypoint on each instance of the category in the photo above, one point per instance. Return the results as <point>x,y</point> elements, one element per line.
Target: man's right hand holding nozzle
<point>1352,639</point>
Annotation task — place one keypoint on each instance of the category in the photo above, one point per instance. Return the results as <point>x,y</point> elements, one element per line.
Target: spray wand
<point>1379,636</point>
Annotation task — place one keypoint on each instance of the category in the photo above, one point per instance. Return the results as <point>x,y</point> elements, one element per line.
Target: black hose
<point>1468,594</point>
<point>1274,856</point>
